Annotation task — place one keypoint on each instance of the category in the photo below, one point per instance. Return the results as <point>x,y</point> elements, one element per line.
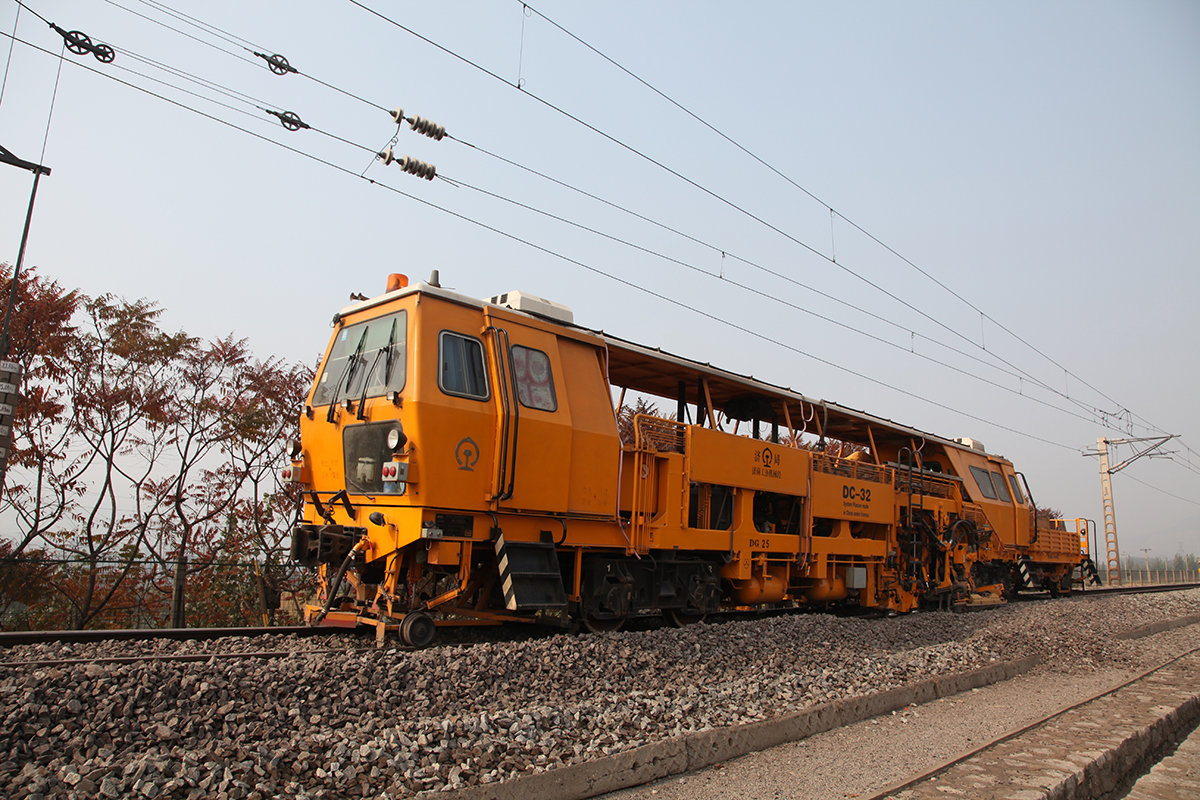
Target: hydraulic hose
<point>337,579</point>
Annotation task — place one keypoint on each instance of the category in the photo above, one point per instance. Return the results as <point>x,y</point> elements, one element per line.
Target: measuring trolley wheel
<point>417,629</point>
<point>610,625</point>
<point>681,618</point>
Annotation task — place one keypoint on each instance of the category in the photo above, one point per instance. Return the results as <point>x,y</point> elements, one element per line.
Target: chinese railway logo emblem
<point>466,453</point>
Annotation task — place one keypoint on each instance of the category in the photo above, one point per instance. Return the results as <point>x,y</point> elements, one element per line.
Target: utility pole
<point>10,373</point>
<point>1112,552</point>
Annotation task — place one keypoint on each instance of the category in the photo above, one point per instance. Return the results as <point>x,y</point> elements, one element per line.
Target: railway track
<point>10,639</point>
<point>1165,587</point>
<point>14,638</point>
<point>561,699</point>
<point>180,657</point>
<point>1106,591</point>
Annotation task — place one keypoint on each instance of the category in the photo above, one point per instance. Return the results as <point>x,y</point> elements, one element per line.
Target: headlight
<point>396,438</point>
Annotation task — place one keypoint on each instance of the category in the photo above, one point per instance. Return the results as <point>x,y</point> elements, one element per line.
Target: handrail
<point>502,352</point>
<point>516,408</point>
<point>662,434</point>
<point>1033,533</point>
<point>907,457</point>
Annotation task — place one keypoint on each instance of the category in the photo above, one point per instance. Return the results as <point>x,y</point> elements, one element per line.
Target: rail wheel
<point>417,629</point>
<point>603,625</point>
<point>680,618</point>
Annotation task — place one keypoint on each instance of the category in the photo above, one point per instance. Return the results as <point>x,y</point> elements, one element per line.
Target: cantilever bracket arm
<point>1158,442</point>
<point>7,157</point>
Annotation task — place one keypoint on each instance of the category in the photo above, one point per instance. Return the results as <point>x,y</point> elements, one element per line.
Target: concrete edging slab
<point>1152,628</point>
<point>1091,771</point>
<point>698,750</point>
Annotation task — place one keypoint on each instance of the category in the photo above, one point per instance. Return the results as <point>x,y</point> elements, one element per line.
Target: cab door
<point>532,454</point>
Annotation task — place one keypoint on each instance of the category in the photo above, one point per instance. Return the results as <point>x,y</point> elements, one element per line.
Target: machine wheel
<point>680,618</point>
<point>604,625</point>
<point>417,629</point>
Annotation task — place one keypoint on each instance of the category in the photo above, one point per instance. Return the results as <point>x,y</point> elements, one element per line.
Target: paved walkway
<point>1176,777</point>
<point>1083,753</point>
<point>1053,760</point>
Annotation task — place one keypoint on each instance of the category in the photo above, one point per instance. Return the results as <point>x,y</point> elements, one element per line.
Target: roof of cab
<point>657,372</point>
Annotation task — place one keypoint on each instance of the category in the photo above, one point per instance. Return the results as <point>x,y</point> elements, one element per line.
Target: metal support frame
<point>1112,551</point>
<point>8,400</point>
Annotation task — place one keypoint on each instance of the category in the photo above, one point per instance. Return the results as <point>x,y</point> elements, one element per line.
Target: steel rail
<point>12,638</point>
<point>184,657</point>
<point>1140,589</point>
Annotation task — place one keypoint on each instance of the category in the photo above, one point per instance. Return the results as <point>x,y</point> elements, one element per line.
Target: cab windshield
<point>368,355</point>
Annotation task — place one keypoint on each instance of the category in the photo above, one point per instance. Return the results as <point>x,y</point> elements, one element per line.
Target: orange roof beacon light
<point>396,282</point>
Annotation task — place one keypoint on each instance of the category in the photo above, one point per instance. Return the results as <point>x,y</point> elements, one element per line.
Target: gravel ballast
<point>389,722</point>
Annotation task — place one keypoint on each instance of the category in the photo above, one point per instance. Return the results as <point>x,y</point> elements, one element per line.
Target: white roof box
<point>974,444</point>
<point>531,304</point>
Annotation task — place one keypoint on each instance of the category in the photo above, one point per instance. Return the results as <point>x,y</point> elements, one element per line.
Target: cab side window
<point>1001,489</point>
<point>461,370</point>
<point>1017,493</point>
<point>985,482</point>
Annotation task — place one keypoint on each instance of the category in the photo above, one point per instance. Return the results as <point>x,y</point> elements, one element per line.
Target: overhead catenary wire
<point>418,124</point>
<point>1186,465</point>
<point>184,33</point>
<point>261,105</point>
<point>246,44</point>
<point>435,131</point>
<point>232,38</point>
<point>423,126</point>
<point>267,60</point>
<point>289,119</point>
<point>8,60</point>
<point>770,297</point>
<point>1158,489</point>
<point>748,288</point>
<point>520,240</point>
<point>1029,376</point>
<point>53,97</point>
<point>983,315</point>
<point>741,259</point>
<point>703,189</point>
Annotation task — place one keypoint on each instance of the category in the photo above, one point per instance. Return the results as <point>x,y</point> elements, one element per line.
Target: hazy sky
<point>1041,160</point>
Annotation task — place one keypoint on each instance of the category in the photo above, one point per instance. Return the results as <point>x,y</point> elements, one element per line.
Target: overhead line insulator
<point>419,124</point>
<point>427,127</point>
<point>410,165</point>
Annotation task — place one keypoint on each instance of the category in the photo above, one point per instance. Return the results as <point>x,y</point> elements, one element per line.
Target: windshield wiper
<point>362,401</point>
<point>387,366</point>
<point>347,375</point>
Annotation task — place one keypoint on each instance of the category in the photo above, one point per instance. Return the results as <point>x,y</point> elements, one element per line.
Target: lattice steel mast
<point>1112,552</point>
